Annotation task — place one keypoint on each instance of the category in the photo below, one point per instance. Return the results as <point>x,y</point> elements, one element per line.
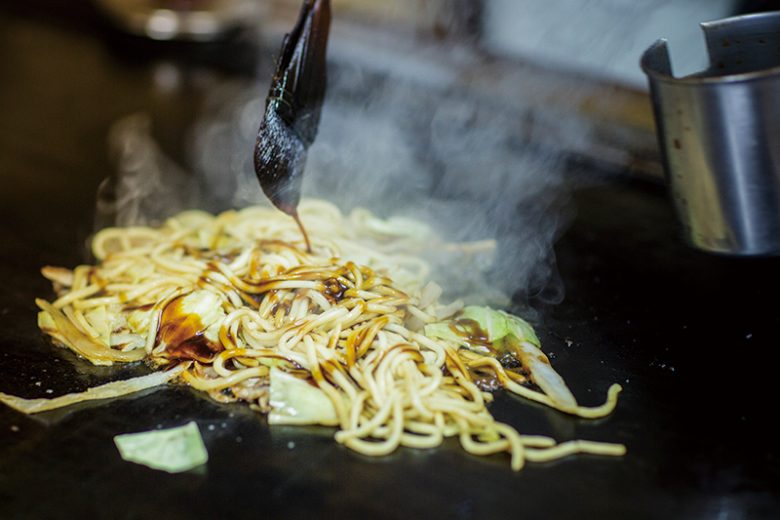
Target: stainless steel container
<point>719,132</point>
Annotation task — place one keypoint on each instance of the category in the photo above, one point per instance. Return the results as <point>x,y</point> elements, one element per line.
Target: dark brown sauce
<point>145,307</point>
<point>252,300</point>
<point>183,334</point>
<point>334,290</point>
<point>303,231</point>
<point>328,368</point>
<point>509,361</point>
<point>197,348</point>
<point>211,253</point>
<point>283,306</point>
<point>274,244</point>
<point>471,333</point>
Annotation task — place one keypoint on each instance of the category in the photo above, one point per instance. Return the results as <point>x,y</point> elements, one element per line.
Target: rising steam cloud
<point>464,162</point>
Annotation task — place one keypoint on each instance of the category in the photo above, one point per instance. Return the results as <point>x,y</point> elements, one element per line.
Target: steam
<point>148,184</point>
<point>465,162</point>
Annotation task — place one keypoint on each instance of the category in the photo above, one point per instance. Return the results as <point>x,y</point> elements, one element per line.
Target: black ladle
<point>292,109</point>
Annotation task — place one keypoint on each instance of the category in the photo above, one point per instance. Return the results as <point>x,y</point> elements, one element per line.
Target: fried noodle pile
<point>235,306</point>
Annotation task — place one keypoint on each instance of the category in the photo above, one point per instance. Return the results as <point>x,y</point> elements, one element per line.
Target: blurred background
<point>577,58</point>
<point>601,37</point>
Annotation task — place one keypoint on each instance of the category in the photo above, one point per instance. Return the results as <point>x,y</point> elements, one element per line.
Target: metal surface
<point>686,334</point>
<point>719,132</point>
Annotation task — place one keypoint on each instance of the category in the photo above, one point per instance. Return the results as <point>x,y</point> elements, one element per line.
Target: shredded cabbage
<point>106,391</point>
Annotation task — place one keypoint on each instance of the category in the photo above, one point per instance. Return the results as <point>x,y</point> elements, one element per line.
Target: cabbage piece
<point>442,331</point>
<point>106,391</point>
<point>173,450</point>
<point>544,375</point>
<point>497,325</point>
<point>207,305</point>
<point>203,304</point>
<point>294,401</point>
<point>508,333</point>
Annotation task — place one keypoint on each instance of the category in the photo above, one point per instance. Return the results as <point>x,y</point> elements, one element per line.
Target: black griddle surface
<point>690,337</point>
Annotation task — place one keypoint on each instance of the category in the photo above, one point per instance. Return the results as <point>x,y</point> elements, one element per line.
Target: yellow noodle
<point>571,447</point>
<point>222,382</point>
